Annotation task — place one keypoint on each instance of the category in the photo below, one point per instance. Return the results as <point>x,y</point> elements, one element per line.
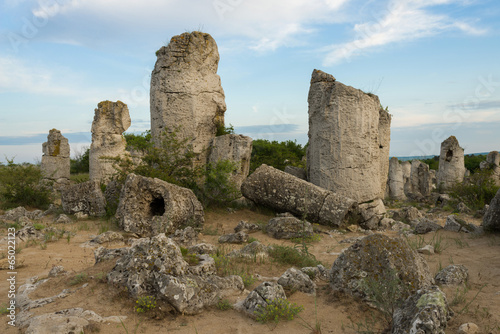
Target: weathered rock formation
<point>151,206</point>
<point>86,197</point>
<point>492,163</point>
<point>111,119</point>
<point>396,180</point>
<point>155,267</point>
<point>296,280</point>
<point>378,257</point>
<point>261,296</point>
<point>235,148</point>
<point>454,274</point>
<point>427,311</point>
<point>297,172</point>
<point>349,137</point>
<point>289,228</point>
<point>451,164</point>
<point>420,183</point>
<point>491,220</point>
<point>56,157</point>
<point>186,92</point>
<point>284,192</point>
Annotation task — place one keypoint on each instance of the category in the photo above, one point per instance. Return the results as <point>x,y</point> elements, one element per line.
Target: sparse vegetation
<point>79,278</point>
<point>277,310</point>
<point>476,191</point>
<point>277,154</point>
<point>145,304</point>
<point>224,305</point>
<point>292,256</point>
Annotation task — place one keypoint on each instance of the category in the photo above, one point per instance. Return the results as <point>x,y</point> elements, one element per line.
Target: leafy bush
<point>276,154</point>
<point>23,185</point>
<point>277,310</point>
<point>140,142</point>
<point>223,130</point>
<point>80,165</point>
<point>218,188</point>
<point>476,191</point>
<point>472,162</point>
<point>224,305</point>
<point>432,162</point>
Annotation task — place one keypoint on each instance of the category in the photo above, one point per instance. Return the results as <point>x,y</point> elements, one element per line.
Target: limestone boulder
<point>295,280</point>
<point>396,180</point>
<point>420,183</point>
<point>186,237</point>
<point>235,148</point>
<point>234,238</point>
<point>289,228</point>
<point>155,266</point>
<point>377,257</point>
<point>186,92</point>
<point>372,213</point>
<point>426,311</point>
<point>349,138</point>
<point>86,198</point>
<point>111,119</point>
<point>261,296</point>
<point>247,227</point>
<point>424,225</point>
<point>297,172</point>
<point>451,164</point>
<point>202,248</point>
<point>284,192</point>
<point>407,214</point>
<point>254,250</point>
<point>492,163</point>
<point>454,274</point>
<point>55,163</point>
<point>151,206</point>
<point>491,219</point>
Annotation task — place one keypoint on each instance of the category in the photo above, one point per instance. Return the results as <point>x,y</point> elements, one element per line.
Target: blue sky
<point>434,63</point>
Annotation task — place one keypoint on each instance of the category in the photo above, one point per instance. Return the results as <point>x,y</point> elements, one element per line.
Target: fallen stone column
<point>281,191</point>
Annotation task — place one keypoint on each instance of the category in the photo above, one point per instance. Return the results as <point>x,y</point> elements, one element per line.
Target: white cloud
<point>404,20</point>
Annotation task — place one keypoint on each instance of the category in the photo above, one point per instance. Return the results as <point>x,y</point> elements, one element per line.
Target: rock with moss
<point>424,225</point>
<point>296,280</point>
<point>151,206</point>
<point>491,220</point>
<point>234,238</point>
<point>454,274</point>
<point>202,248</point>
<point>260,297</point>
<point>284,192</point>
<point>427,312</point>
<point>155,267</point>
<point>289,228</point>
<point>55,163</point>
<point>185,237</point>
<point>247,227</point>
<point>374,258</point>
<point>319,272</point>
<point>86,198</point>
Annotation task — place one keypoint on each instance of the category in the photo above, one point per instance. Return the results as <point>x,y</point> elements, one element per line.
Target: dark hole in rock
<point>157,206</point>
<point>449,155</point>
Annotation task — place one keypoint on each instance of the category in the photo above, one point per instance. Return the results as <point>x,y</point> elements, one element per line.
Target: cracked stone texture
<point>155,266</point>
<point>111,120</point>
<point>55,163</point>
<point>261,295</point>
<point>420,182</point>
<point>151,206</point>
<point>451,164</point>
<point>396,180</point>
<point>349,137</point>
<point>284,192</point>
<point>186,91</point>
<point>374,257</point>
<point>296,280</point>
<point>454,274</point>
<point>86,197</point>
<point>491,219</point>
<point>289,228</point>
<point>425,312</point>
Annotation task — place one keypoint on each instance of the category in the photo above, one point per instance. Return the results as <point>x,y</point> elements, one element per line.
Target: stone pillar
<point>493,163</point>
<point>111,119</point>
<point>349,138</point>
<point>451,164</point>
<point>396,180</point>
<point>56,157</point>
<point>420,183</point>
<point>186,92</point>
<point>236,148</point>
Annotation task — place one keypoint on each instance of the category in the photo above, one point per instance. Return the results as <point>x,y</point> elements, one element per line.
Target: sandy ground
<point>481,255</point>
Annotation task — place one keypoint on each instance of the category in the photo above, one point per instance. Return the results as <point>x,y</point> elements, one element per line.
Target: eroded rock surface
<point>261,296</point>
<point>451,164</point>
<point>186,92</point>
<point>86,198</point>
<point>296,280</point>
<point>289,228</point>
<point>396,180</point>
<point>454,274</point>
<point>281,191</point>
<point>349,138</point>
<point>151,206</point>
<point>491,220</point>
<point>55,163</point>
<point>111,119</point>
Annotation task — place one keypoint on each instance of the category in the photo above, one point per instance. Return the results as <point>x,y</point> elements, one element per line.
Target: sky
<point>434,63</point>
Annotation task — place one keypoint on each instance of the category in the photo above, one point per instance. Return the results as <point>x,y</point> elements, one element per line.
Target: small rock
<point>318,272</point>
<point>24,221</point>
<point>246,227</point>
<point>353,228</point>
<point>81,215</point>
<point>234,238</point>
<point>468,328</point>
<point>426,250</point>
<point>261,296</point>
<point>56,271</point>
<point>296,280</point>
<point>462,208</point>
<point>424,225</point>
<point>254,250</point>
<point>63,219</point>
<point>102,254</point>
<point>288,228</point>
<point>106,237</point>
<point>186,237</point>
<point>202,248</point>
<point>454,274</point>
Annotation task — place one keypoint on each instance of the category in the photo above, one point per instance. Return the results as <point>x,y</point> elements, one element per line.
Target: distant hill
<point>423,157</point>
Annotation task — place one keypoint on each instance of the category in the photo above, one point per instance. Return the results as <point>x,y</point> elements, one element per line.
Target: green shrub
<point>219,189</point>
<point>432,162</point>
<point>292,256</point>
<point>223,130</point>
<point>476,191</point>
<point>472,162</point>
<point>224,305</point>
<point>140,142</point>
<point>80,165</point>
<point>277,310</point>
<point>145,304</point>
<point>23,185</point>
<point>276,154</point>
<point>79,278</point>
